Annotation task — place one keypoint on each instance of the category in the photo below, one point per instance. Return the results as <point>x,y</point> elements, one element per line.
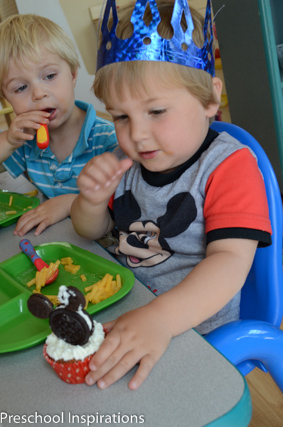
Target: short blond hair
<point>22,37</point>
<point>133,73</point>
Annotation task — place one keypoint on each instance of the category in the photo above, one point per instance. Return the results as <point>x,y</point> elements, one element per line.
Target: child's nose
<point>138,131</point>
<point>38,92</point>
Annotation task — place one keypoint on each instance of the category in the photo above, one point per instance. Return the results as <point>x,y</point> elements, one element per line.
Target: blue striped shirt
<point>52,178</point>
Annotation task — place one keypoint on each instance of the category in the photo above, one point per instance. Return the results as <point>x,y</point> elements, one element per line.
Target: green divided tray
<point>21,203</point>
<point>19,329</point>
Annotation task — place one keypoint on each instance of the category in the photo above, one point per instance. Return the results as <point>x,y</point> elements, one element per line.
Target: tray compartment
<point>20,204</point>
<point>20,269</point>
<point>9,288</point>
<point>18,325</point>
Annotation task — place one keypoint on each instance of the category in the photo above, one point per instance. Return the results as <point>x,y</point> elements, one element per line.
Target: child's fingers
<point>107,348</point>
<point>25,125</point>
<point>97,176</point>
<point>100,168</point>
<point>34,217</point>
<point>25,224</point>
<point>37,116</point>
<point>124,165</point>
<point>30,121</point>
<point>117,365</point>
<point>100,172</point>
<point>42,226</point>
<point>124,365</point>
<point>144,369</point>
<point>132,340</point>
<point>22,221</point>
<point>113,171</point>
<point>109,326</point>
<point>19,135</point>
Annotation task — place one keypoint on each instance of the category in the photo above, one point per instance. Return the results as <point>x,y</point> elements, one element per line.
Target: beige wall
<point>7,8</point>
<point>83,29</point>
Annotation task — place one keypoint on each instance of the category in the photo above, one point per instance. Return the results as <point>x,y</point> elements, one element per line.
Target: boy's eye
<point>50,76</point>
<point>157,112</point>
<point>21,88</point>
<point>120,118</point>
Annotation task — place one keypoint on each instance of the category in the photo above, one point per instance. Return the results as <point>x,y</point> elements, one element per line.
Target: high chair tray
<point>19,329</point>
<point>15,203</point>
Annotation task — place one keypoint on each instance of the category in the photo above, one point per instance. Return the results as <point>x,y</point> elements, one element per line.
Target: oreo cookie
<point>40,306</point>
<point>71,326</point>
<point>69,321</point>
<point>72,298</point>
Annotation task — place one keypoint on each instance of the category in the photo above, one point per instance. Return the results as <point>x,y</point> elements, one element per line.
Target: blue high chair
<point>256,340</point>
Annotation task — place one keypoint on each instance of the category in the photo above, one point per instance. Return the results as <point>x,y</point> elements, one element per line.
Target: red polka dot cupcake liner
<point>72,372</point>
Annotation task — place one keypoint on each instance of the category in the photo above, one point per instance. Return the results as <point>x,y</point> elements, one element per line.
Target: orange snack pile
<point>105,288</point>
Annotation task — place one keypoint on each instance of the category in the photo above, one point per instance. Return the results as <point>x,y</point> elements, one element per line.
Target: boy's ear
<point>75,76</point>
<point>217,88</point>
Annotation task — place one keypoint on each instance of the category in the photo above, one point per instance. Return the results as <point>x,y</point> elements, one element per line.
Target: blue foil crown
<point>146,44</point>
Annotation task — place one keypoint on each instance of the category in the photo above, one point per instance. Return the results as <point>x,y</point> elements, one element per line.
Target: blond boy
<point>38,74</point>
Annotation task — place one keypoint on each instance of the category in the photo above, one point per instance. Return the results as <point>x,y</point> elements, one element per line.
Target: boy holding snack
<point>38,74</point>
<point>187,205</point>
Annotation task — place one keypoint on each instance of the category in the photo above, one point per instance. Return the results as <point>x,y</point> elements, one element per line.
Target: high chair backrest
<point>262,294</point>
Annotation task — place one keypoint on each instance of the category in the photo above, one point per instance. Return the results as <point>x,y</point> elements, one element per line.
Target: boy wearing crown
<point>187,204</point>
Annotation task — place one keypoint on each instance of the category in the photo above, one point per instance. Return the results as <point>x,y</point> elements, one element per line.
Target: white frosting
<point>64,295</point>
<point>60,349</point>
<point>85,317</point>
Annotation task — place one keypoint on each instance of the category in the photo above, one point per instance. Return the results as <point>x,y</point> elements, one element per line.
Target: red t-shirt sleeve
<point>111,201</point>
<point>235,195</point>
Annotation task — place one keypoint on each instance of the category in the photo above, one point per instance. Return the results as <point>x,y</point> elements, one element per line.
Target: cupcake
<point>75,335</point>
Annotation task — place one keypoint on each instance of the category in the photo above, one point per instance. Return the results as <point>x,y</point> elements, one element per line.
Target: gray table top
<point>192,385</point>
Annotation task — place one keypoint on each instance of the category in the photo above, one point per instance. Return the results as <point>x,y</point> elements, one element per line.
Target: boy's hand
<point>24,127</point>
<point>97,183</point>
<point>139,336</point>
<point>100,177</point>
<point>44,215</point>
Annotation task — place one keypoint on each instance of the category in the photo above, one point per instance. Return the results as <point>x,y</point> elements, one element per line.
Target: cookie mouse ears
<point>69,321</point>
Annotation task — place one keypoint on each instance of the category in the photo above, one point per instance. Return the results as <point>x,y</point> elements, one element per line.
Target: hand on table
<point>46,214</point>
<point>137,337</point>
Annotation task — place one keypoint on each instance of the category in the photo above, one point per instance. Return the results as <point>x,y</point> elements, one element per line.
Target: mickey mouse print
<point>143,241</point>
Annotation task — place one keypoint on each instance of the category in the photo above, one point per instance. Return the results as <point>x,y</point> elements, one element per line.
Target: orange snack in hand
<point>42,137</point>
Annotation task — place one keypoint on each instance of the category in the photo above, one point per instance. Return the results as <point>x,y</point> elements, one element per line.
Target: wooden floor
<point>267,400</point>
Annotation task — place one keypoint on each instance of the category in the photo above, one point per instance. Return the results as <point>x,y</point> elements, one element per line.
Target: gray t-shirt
<point>160,225</point>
